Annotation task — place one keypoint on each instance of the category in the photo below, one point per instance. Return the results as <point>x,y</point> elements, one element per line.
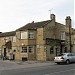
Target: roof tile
<point>13,33</point>
<point>34,25</point>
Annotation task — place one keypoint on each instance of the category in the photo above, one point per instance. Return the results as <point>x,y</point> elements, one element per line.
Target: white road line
<point>59,72</point>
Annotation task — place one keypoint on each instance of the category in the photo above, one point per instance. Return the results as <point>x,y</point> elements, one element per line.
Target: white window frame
<point>31,35</point>
<point>31,49</point>
<point>24,49</point>
<point>24,35</point>
<point>14,38</point>
<point>63,35</point>
<point>7,39</point>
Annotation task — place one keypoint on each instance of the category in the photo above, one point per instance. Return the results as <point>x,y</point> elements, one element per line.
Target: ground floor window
<point>65,49</point>
<point>27,49</point>
<point>24,49</point>
<point>31,49</point>
<point>52,50</point>
<point>57,51</point>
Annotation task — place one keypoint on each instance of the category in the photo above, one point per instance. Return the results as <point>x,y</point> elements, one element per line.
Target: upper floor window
<point>7,39</point>
<point>31,35</point>
<point>24,35</point>
<point>62,35</point>
<point>14,39</point>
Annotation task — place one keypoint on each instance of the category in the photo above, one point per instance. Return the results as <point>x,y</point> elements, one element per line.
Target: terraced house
<point>39,40</point>
<point>7,43</point>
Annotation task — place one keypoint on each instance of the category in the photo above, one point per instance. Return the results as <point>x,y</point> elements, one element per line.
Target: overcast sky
<point>16,13</point>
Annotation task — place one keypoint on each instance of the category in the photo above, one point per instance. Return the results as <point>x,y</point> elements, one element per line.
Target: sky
<point>17,13</point>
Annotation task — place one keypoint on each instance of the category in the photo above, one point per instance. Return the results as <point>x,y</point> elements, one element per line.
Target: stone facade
<point>39,41</point>
<point>7,43</point>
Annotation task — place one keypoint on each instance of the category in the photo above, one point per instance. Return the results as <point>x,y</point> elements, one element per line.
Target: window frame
<point>14,38</point>
<point>31,35</point>
<point>24,49</point>
<point>31,49</point>
<point>24,35</point>
<point>63,35</point>
<point>52,50</point>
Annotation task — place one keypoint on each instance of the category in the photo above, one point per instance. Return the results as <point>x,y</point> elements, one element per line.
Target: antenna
<point>50,10</point>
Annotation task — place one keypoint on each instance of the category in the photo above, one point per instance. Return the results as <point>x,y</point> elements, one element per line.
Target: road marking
<point>59,72</point>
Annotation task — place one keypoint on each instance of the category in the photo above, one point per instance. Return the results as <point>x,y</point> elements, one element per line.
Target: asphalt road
<point>43,70</point>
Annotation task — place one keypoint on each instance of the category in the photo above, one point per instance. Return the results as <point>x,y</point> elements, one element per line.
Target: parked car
<point>65,58</point>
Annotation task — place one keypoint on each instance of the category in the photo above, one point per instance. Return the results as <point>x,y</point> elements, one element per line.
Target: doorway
<point>4,52</point>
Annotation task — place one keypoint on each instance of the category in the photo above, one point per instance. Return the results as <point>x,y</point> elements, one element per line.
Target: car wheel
<point>67,61</point>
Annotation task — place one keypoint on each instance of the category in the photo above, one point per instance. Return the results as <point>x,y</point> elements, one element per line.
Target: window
<point>6,39</point>
<point>65,49</point>
<point>14,39</point>
<point>24,50</point>
<point>31,35</point>
<point>62,35</point>
<point>51,50</point>
<point>24,35</point>
<point>31,49</point>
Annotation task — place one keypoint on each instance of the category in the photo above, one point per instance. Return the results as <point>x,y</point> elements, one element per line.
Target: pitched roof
<point>59,24</point>
<point>13,33</point>
<point>34,25</point>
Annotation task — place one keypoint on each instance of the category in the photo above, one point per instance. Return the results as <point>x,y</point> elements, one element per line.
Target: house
<point>7,43</point>
<point>41,40</point>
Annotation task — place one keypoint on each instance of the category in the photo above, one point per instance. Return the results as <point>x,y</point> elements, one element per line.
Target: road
<point>48,69</point>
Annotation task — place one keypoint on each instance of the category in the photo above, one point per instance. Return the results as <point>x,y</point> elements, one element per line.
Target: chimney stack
<point>68,30</point>
<point>32,21</point>
<point>68,21</point>
<point>52,17</point>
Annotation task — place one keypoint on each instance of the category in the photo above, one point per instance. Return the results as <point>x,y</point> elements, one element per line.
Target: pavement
<point>9,65</point>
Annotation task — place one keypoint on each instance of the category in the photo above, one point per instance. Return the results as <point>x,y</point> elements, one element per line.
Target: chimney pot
<point>52,17</point>
<point>68,21</point>
<point>32,21</point>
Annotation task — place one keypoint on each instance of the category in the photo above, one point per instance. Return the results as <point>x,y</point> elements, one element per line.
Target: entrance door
<point>4,52</point>
<point>57,51</point>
